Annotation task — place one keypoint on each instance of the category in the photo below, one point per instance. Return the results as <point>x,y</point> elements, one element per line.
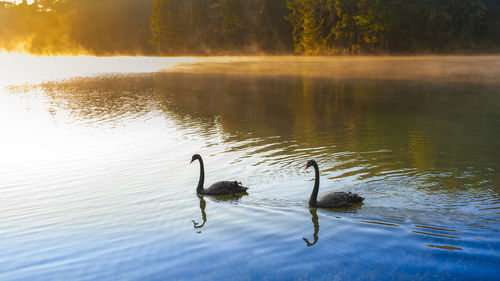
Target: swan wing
<point>339,199</point>
<point>225,187</point>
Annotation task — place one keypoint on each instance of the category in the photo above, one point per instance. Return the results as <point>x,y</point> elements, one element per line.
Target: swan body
<point>218,188</point>
<point>330,200</point>
<point>338,200</point>
<point>225,187</point>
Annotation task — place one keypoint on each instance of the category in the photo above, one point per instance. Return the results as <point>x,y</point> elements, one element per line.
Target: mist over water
<point>463,69</point>
<point>96,181</point>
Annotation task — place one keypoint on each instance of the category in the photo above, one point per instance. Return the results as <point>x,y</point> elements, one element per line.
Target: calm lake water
<point>96,184</point>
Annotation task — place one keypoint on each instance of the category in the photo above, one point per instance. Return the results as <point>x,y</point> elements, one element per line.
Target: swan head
<point>310,163</point>
<point>195,157</point>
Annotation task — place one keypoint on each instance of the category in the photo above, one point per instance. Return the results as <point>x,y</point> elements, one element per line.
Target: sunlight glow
<point>30,134</point>
<point>23,68</point>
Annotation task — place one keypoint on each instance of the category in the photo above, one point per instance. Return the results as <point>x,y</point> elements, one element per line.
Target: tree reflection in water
<point>420,132</point>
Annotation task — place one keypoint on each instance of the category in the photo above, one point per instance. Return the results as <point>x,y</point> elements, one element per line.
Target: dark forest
<point>237,27</point>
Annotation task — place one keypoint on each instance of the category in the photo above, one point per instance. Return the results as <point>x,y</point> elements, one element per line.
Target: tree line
<point>220,26</point>
<point>394,26</point>
<point>214,27</point>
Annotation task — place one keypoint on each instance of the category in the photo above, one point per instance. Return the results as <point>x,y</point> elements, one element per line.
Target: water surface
<point>96,182</point>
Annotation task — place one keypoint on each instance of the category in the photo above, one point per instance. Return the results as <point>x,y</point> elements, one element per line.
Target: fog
<point>20,69</point>
<point>461,69</point>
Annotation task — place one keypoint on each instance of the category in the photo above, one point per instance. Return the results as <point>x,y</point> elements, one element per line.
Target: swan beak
<point>307,166</point>
<point>191,161</point>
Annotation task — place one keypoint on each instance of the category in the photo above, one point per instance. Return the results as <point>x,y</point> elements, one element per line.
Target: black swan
<point>218,188</point>
<point>330,200</point>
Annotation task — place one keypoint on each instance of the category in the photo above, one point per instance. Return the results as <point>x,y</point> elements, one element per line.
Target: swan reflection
<point>203,204</point>
<point>315,222</point>
<point>226,197</point>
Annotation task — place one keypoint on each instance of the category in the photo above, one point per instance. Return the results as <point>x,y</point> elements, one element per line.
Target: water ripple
<point>96,181</point>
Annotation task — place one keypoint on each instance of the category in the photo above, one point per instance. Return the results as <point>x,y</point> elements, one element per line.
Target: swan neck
<point>314,194</point>
<point>199,188</point>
